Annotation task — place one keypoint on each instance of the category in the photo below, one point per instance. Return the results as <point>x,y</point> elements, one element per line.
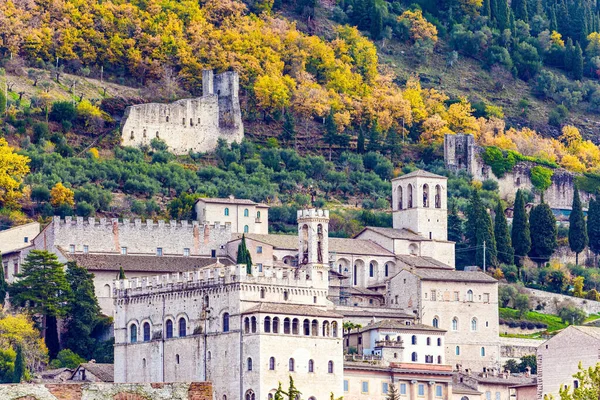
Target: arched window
<point>334,328</point>
<point>387,271</point>
<point>253,319</point>
<point>258,215</point>
<point>246,212</point>
<point>326,331</point>
<point>469,295</point>
<point>438,196</point>
<point>454,324</point>
<point>276,325</point>
<point>410,195</point>
<point>483,352</point>
<point>133,333</point>
<point>295,326</point>
<point>457,350</point>
<point>400,200</point>
<point>226,212</point>
<point>182,327</point>
<point>250,395</point>
<point>291,365</point>
<point>414,339</point>
<point>371,270</point>
<point>246,229</point>
<point>226,322</point>
<point>426,195</point>
<point>286,326</point>
<point>272,364</point>
<point>249,363</point>
<point>146,331</point>
<point>315,328</point>
<point>474,324</point>
<point>428,341</point>
<point>439,341</point>
<point>169,329</point>
<point>436,322</point>
<point>267,325</point>
<point>414,357</point>
<point>262,293</point>
<point>246,325</point>
<point>439,359</point>
<point>330,367</point>
<point>306,327</point>
<point>311,366</point>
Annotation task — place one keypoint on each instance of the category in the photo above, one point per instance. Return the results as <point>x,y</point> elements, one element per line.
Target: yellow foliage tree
<point>19,329</point>
<point>13,168</point>
<point>572,163</point>
<point>578,286</point>
<point>570,136</point>
<point>273,91</point>
<point>420,29</point>
<point>60,195</point>
<point>434,129</point>
<point>556,39</point>
<point>460,118</point>
<point>93,152</point>
<point>593,47</point>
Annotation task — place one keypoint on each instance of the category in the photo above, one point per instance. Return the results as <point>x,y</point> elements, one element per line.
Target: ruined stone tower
<point>189,124</point>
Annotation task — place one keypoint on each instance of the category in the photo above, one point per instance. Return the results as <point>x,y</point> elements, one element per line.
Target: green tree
<point>393,392</point>
<point>506,295</point>
<point>83,311</point>
<point>519,8</point>
<point>376,28</point>
<point>593,227</point>
<point>331,134</point>
<point>528,361</point>
<point>63,111</point>
<point>578,237</point>
<point>577,66</point>
<point>506,254</point>
<point>243,255</point>
<point>67,359</point>
<point>360,143</point>
<point>291,394</point>
<point>183,207</point>
<point>289,128</point>
<point>121,274</point>
<point>20,367</point>
<point>42,287</point>
<point>526,60</point>
<point>588,387</point>
<point>520,236</point>
<point>503,15</point>
<point>3,284</point>
<point>511,366</point>
<point>479,230</point>
<point>571,314</point>
<point>543,233</point>
<point>455,225</point>
<point>522,304</point>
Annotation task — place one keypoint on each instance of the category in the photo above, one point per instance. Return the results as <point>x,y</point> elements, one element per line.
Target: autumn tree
<point>60,195</point>
<point>3,284</point>
<point>13,168</point>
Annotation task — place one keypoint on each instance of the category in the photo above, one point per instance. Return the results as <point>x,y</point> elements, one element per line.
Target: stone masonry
<point>461,153</point>
<point>189,124</point>
<point>108,391</point>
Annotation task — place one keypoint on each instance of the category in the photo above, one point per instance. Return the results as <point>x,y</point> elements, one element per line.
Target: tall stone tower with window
<point>313,239</point>
<point>419,204</point>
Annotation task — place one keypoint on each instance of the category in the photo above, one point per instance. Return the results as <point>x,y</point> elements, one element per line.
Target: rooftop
<point>104,372</point>
<point>391,324</point>
<point>142,263</point>
<point>588,330</point>
<point>230,200</point>
<point>292,309</point>
<point>394,233</point>
<point>420,174</point>
<point>452,275</point>
<point>423,262</point>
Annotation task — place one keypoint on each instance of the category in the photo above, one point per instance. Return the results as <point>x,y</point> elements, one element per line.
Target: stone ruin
<point>189,124</point>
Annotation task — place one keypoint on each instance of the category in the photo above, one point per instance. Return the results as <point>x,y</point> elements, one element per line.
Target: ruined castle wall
<point>189,124</point>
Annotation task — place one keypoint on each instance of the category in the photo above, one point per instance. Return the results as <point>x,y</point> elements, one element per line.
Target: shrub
<point>541,177</point>
<point>558,116</point>
<point>530,325</point>
<point>40,132</point>
<point>63,111</point>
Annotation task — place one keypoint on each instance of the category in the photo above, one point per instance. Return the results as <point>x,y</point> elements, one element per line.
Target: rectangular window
<point>5,269</point>
<point>26,239</point>
<point>258,249</point>
<point>345,385</point>
<point>86,249</point>
<point>159,251</point>
<point>360,340</point>
<point>16,266</point>
<point>186,252</point>
<point>438,391</point>
<point>456,298</point>
<point>486,297</point>
<point>488,395</point>
<point>123,251</point>
<point>71,248</point>
<point>365,387</point>
<point>384,388</point>
<point>421,390</point>
<point>403,388</point>
<point>433,295</point>
<point>259,267</point>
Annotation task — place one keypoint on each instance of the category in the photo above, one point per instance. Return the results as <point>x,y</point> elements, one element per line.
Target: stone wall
<point>108,391</point>
<point>461,153</point>
<point>518,347</point>
<point>551,300</point>
<point>189,124</point>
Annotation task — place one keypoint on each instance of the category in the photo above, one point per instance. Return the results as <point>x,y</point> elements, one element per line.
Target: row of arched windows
<point>474,324</point>
<point>426,202</point>
<point>428,340</point>
<point>481,351</point>
<point>428,359</point>
<point>291,326</point>
<point>292,365</point>
<point>146,336</point>
<point>246,213</point>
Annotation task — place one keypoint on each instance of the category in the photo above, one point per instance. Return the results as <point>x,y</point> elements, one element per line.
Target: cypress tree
<point>569,50</point>
<point>553,23</point>
<point>578,237</point>
<point>519,8</point>
<point>593,226</point>
<point>376,23</point>
<point>360,143</point>
<point>543,233</point>
<point>3,284</point>
<point>577,62</point>
<point>393,393</point>
<point>520,236</point>
<point>503,16</point>
<point>51,338</point>
<point>331,133</point>
<point>121,273</point>
<point>485,235</point>
<point>506,254</point>
<point>486,10</point>
<point>455,225</point>
<point>19,370</point>
<point>243,255</point>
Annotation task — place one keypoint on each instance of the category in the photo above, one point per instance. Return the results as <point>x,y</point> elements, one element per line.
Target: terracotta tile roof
<point>423,262</point>
<point>113,262</point>
<point>452,275</point>
<point>291,309</point>
<point>420,173</point>
<point>336,245</point>
<point>104,372</point>
<point>391,324</point>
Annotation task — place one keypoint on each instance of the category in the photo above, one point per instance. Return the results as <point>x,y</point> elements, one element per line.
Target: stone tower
<point>419,204</point>
<point>313,235</point>
<point>459,152</point>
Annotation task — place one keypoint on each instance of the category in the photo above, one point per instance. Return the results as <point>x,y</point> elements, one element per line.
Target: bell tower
<point>419,204</point>
<point>313,238</point>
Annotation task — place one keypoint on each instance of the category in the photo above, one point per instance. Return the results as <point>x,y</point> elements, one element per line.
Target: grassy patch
<point>554,323</point>
<point>592,317</point>
<point>537,335</point>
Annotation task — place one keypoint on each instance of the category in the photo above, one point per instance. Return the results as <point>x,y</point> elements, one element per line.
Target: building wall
<point>189,124</point>
<point>558,359</point>
<point>18,237</point>
<point>212,213</point>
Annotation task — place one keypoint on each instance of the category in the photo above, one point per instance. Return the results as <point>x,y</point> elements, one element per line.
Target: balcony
<point>369,359</point>
<point>390,343</point>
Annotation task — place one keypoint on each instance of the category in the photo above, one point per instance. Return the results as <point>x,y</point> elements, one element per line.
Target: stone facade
<point>189,124</point>
<point>18,237</point>
<point>244,216</point>
<point>549,301</point>
<point>461,153</point>
<point>107,391</point>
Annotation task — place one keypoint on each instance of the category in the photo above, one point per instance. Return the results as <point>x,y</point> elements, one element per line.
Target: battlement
<point>135,223</point>
<point>218,276</point>
<point>313,212</point>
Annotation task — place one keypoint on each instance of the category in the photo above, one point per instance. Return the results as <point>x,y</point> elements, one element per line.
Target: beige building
<point>559,357</point>
<point>244,216</point>
<point>491,385</point>
<point>12,243</point>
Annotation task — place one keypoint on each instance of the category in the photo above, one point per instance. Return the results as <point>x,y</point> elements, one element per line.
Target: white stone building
<point>243,332</point>
<point>244,216</point>
<point>12,243</point>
